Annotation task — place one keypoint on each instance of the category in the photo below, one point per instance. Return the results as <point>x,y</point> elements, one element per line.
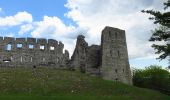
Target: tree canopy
<point>162,32</point>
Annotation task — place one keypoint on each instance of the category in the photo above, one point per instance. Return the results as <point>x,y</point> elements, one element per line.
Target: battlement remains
<point>31,51</point>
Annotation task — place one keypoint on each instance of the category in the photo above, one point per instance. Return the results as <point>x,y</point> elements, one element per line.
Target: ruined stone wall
<point>78,59</point>
<point>93,60</point>
<point>115,63</point>
<point>31,51</point>
<point>109,60</point>
<point>86,58</point>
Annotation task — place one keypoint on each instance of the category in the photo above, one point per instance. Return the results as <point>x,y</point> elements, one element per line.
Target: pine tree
<point>162,32</point>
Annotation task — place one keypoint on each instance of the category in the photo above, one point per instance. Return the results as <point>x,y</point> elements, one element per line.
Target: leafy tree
<point>153,77</point>
<point>162,32</point>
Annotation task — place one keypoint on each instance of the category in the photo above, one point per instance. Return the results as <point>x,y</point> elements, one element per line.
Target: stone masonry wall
<point>86,58</point>
<point>78,59</point>
<point>108,60</point>
<point>115,63</point>
<point>32,52</point>
<point>93,60</point>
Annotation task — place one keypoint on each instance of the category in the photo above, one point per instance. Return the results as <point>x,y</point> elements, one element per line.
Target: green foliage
<point>162,33</point>
<point>153,77</point>
<point>53,84</point>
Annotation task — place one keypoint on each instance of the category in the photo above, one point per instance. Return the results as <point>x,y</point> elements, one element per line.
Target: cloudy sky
<point>63,20</point>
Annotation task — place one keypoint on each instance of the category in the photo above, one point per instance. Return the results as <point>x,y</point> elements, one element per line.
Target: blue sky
<point>38,8</point>
<point>65,19</point>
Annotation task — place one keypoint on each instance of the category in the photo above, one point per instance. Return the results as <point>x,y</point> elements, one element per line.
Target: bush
<point>153,77</point>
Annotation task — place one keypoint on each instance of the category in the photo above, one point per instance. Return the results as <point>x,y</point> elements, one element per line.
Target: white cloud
<point>53,27</point>
<point>25,28</point>
<point>96,14</point>
<point>92,16</point>
<point>18,19</point>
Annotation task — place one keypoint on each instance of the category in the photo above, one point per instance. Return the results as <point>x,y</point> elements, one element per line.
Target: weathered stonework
<point>115,63</point>
<point>27,52</point>
<point>108,60</point>
<point>78,59</point>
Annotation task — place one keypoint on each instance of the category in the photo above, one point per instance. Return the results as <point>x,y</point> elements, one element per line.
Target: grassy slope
<point>52,84</point>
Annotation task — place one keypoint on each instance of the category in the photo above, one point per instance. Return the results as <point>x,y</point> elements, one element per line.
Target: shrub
<point>153,77</point>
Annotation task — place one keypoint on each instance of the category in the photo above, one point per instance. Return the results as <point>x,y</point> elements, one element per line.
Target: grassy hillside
<point>53,84</point>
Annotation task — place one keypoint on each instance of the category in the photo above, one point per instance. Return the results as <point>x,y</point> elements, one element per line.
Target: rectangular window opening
<point>109,33</point>
<point>31,46</point>
<point>116,70</point>
<point>42,47</point>
<point>19,45</point>
<point>118,53</point>
<point>9,47</point>
<point>52,48</point>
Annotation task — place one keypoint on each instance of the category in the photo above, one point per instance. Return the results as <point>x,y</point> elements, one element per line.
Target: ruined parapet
<point>115,64</point>
<point>78,59</point>
<point>53,45</point>
<point>31,52</point>
<point>9,42</point>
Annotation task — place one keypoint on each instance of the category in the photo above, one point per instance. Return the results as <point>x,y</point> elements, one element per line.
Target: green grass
<point>53,84</point>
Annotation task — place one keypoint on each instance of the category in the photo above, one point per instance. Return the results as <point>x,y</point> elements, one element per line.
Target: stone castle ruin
<point>17,52</point>
<point>108,60</point>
